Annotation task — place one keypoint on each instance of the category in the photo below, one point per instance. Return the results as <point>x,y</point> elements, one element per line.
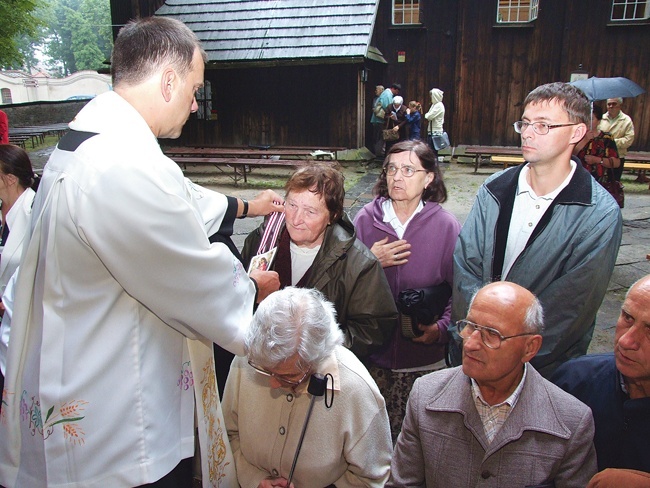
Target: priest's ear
<point>167,83</point>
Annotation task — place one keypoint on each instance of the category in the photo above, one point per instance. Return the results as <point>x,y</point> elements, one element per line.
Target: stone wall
<point>42,113</point>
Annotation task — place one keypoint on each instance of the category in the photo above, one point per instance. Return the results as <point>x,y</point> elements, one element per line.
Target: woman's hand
<point>592,160</point>
<point>396,128</point>
<point>391,253</point>
<point>431,333</point>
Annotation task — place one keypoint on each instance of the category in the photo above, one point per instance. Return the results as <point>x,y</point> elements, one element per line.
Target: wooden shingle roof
<point>279,31</point>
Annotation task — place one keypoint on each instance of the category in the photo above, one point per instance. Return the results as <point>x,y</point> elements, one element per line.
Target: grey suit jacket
<point>547,438</point>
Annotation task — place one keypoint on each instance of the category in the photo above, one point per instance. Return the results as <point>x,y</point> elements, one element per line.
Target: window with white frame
<point>630,10</point>
<point>517,11</point>
<point>406,12</point>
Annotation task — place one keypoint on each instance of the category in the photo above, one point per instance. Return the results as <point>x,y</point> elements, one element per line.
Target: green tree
<point>58,43</point>
<point>96,25</point>
<point>17,19</point>
<point>79,34</point>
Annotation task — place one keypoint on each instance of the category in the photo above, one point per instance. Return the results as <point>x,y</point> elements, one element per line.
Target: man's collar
<point>511,400</point>
<point>577,192</point>
<point>524,187</point>
<point>621,380</point>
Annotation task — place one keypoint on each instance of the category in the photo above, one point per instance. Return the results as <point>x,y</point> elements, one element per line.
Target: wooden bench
<point>37,134</point>
<point>478,152</point>
<point>636,160</point>
<point>329,149</point>
<point>20,141</point>
<point>253,153</point>
<point>508,160</point>
<point>636,166</point>
<point>241,168</point>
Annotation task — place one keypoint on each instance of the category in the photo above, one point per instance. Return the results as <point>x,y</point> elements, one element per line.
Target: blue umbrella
<point>603,88</point>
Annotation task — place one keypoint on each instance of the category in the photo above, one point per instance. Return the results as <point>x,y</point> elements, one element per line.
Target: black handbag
<point>421,306</point>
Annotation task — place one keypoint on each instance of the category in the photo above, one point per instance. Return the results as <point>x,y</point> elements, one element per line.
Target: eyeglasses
<point>612,104</point>
<point>408,171</point>
<point>289,379</point>
<point>540,128</point>
<point>492,338</point>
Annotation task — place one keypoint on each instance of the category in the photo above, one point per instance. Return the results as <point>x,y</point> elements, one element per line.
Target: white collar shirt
<point>494,416</point>
<point>390,217</point>
<point>527,211</point>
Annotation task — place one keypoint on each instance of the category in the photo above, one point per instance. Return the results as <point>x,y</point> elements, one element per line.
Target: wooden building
<point>303,72</point>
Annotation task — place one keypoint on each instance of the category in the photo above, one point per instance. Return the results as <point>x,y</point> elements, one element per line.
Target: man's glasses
<point>290,379</point>
<point>408,171</point>
<point>540,128</point>
<point>492,338</point>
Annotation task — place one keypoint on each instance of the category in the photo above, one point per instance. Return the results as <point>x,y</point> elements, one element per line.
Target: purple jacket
<point>432,234</point>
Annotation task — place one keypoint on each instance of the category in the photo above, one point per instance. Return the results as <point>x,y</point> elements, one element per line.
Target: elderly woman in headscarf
<point>397,121</point>
<point>436,117</point>
<point>318,248</point>
<point>293,336</point>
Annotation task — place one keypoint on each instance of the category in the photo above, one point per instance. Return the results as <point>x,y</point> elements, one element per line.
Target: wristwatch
<point>245,212</point>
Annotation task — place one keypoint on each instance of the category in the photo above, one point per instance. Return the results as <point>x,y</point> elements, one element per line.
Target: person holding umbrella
<point>617,123</point>
<point>621,127</point>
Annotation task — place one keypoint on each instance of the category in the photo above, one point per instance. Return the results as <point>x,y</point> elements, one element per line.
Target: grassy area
<point>632,186</point>
<point>47,142</point>
<point>263,178</point>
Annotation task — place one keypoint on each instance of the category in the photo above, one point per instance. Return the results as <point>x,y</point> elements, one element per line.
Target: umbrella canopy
<point>603,88</point>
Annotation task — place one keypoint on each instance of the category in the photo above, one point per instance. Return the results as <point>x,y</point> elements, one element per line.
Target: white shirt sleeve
<point>5,328</point>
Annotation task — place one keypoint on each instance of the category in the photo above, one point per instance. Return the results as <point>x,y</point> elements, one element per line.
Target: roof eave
<point>266,63</point>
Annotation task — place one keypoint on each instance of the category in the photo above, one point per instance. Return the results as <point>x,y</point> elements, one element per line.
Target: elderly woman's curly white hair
<point>290,321</point>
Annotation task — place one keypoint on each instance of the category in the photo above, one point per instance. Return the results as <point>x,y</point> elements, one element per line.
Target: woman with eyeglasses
<point>347,442</point>
<point>18,185</point>
<point>413,237</point>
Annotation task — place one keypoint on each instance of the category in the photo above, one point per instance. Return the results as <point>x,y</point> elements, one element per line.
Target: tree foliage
<point>17,22</point>
<point>79,34</point>
<point>72,34</point>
